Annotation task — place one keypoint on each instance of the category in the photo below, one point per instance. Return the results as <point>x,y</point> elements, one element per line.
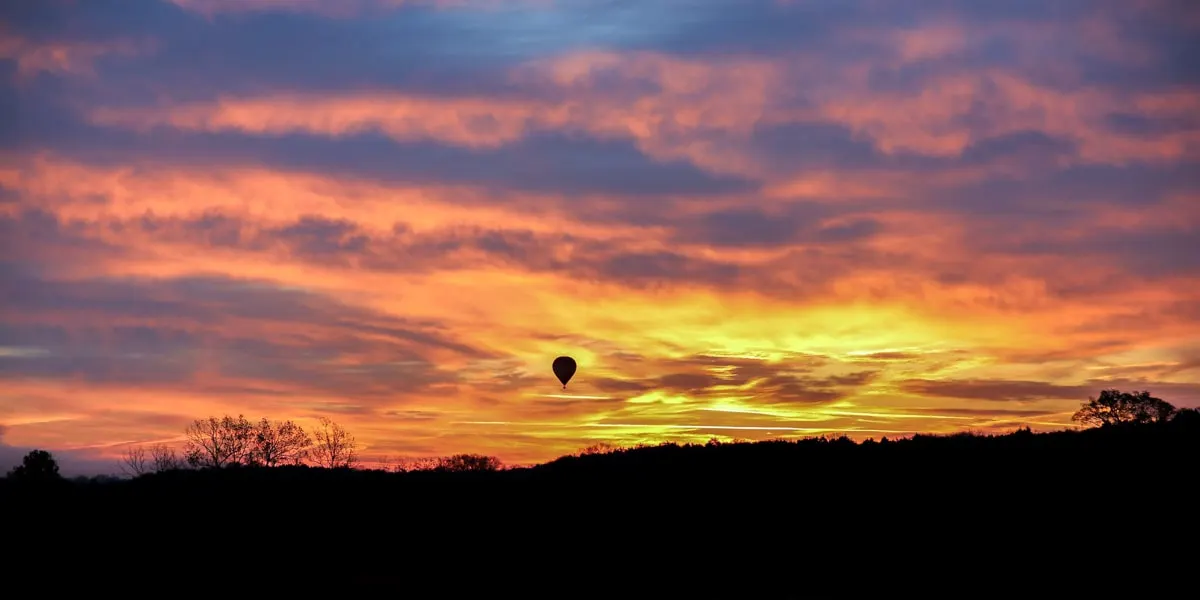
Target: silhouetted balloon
<point>564,369</point>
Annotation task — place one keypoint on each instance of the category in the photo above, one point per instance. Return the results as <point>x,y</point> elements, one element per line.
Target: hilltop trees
<point>1115,407</point>
<point>277,444</point>
<point>218,442</point>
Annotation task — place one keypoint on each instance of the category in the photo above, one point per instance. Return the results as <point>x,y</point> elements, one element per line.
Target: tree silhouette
<point>216,443</point>
<point>37,466</point>
<point>598,448</point>
<point>1115,407</point>
<point>164,458</point>
<point>469,462</point>
<point>277,444</point>
<point>1187,417</point>
<point>409,465</point>
<point>135,461</point>
<point>335,447</point>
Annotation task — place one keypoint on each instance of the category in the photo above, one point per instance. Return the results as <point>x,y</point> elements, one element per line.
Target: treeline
<point>222,442</point>
<point>818,504</point>
<point>227,442</point>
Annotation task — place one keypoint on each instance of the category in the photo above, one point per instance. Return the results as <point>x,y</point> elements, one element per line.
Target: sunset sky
<point>744,218</point>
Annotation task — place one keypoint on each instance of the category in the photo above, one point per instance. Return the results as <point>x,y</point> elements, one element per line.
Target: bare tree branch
<point>274,444</point>
<point>164,458</point>
<point>217,443</point>
<point>335,447</point>
<point>135,462</point>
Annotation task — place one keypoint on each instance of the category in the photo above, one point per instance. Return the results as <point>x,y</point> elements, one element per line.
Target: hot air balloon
<point>564,369</point>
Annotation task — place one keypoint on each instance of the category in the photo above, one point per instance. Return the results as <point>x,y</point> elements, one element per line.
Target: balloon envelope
<point>564,369</point>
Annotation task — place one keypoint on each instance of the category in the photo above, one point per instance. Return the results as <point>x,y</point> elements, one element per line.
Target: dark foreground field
<point>1119,502</point>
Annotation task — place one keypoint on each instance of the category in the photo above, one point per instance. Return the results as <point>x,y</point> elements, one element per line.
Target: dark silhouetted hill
<point>820,501</point>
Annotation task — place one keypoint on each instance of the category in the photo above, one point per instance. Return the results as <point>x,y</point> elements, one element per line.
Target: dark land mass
<point>809,512</point>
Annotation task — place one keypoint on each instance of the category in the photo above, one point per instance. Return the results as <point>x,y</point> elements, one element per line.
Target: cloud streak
<point>744,219</point>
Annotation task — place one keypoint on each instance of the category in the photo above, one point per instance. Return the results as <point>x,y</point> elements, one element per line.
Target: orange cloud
<point>695,99</point>
<point>64,57</point>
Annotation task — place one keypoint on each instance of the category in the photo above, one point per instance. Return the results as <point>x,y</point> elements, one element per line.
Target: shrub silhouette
<point>469,462</point>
